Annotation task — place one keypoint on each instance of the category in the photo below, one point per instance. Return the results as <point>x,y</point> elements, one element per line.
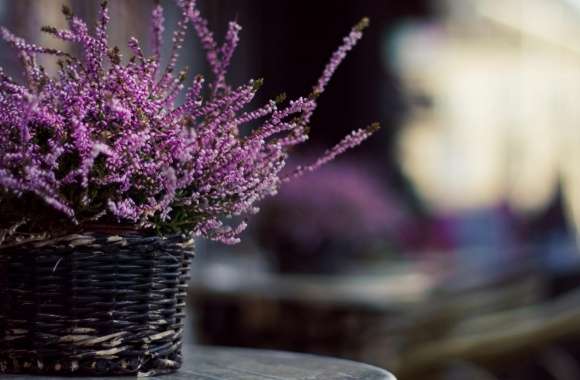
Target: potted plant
<point>105,180</point>
<point>328,222</point>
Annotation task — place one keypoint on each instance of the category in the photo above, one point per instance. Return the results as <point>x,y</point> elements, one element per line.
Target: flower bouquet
<point>106,179</point>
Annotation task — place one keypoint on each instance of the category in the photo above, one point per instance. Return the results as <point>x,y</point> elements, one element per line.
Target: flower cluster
<point>105,139</point>
<point>343,203</point>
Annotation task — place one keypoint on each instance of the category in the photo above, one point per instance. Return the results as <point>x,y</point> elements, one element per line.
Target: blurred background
<point>446,247</point>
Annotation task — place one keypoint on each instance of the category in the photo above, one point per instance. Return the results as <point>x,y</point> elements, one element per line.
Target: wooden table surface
<point>204,363</point>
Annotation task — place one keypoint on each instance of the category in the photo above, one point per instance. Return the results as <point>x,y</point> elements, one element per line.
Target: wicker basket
<point>94,304</point>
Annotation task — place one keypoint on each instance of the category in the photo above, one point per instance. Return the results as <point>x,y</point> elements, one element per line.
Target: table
<point>237,303</point>
<point>205,363</point>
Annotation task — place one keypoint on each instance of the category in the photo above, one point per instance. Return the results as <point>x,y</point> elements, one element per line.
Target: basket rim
<point>106,233</point>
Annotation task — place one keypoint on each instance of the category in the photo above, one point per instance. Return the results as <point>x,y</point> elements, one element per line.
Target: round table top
<point>207,363</point>
<point>382,291</point>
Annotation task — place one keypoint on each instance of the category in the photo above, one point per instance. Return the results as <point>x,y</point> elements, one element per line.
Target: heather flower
<point>329,221</point>
<point>105,141</point>
<point>342,202</point>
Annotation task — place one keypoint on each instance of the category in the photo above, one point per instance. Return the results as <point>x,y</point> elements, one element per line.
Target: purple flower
<point>341,202</point>
<point>104,140</point>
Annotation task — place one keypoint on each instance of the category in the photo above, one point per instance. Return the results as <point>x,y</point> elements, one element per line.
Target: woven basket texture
<point>94,304</point>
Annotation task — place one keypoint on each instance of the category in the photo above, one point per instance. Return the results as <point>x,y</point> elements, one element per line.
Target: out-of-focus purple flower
<point>105,140</point>
<point>342,202</point>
